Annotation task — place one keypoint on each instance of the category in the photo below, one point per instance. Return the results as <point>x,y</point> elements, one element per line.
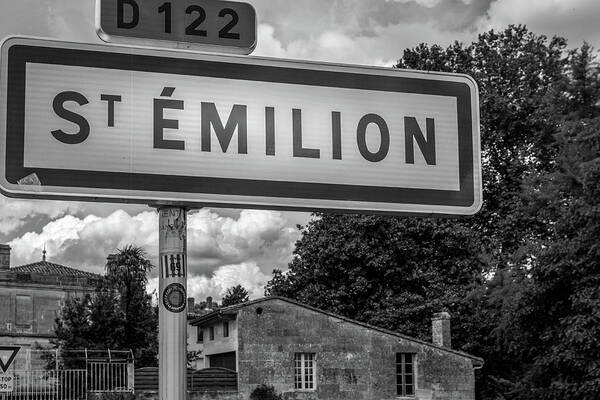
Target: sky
<point>227,247</point>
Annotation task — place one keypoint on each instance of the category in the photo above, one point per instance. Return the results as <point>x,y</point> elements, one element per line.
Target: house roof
<point>48,268</point>
<point>228,312</point>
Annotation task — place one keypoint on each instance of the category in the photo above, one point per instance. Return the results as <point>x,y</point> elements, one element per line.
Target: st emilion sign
<point>112,123</point>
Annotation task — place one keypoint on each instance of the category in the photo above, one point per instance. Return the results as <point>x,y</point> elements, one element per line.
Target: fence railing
<point>48,385</point>
<point>110,377</point>
<point>71,384</point>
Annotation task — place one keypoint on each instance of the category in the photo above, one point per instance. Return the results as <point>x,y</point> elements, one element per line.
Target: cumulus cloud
<point>577,20</point>
<point>61,19</point>
<point>85,242</point>
<point>424,3</point>
<point>371,50</point>
<point>265,237</point>
<point>215,285</point>
<point>255,239</point>
<point>15,213</point>
<point>359,32</point>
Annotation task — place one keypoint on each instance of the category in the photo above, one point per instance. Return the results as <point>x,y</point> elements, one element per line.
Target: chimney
<point>440,329</point>
<point>4,257</point>
<point>190,304</point>
<point>209,303</point>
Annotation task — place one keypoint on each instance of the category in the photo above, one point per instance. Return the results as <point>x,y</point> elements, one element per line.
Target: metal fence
<point>47,385</point>
<point>76,380</point>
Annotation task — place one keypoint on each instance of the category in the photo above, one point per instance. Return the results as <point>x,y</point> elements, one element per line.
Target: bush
<point>265,392</point>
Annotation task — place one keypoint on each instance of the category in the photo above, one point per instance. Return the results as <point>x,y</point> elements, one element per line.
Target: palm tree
<point>128,271</point>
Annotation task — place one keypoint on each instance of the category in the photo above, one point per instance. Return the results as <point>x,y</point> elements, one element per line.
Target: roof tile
<point>48,268</point>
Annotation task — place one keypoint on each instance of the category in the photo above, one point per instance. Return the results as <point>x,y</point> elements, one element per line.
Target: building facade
<point>195,342</point>
<point>32,295</point>
<point>306,353</point>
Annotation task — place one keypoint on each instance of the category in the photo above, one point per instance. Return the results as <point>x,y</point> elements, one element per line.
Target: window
<point>211,333</point>
<point>405,377</point>
<point>225,329</point>
<point>24,312</point>
<point>200,333</point>
<point>304,371</point>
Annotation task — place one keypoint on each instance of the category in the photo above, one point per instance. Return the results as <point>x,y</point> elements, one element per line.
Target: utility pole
<point>172,316</point>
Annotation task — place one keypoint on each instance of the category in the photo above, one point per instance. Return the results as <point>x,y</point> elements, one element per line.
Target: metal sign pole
<point>172,250</point>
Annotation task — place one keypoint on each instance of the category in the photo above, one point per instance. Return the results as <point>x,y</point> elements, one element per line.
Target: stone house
<point>307,353</point>
<point>31,296</point>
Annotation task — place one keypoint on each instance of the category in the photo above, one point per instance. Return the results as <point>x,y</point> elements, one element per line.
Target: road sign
<point>104,123</point>
<point>7,383</point>
<point>226,26</point>
<point>7,356</point>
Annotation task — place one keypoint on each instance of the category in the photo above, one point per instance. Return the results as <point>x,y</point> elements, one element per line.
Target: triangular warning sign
<point>7,356</point>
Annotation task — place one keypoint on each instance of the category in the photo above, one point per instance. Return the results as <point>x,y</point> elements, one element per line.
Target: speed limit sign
<point>6,383</point>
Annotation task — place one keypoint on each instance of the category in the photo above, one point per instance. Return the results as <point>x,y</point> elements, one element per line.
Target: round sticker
<point>174,298</point>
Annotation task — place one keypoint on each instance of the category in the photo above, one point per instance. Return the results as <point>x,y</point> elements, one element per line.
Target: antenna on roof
<point>44,253</point>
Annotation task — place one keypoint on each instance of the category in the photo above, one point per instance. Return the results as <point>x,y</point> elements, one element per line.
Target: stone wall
<point>352,361</point>
<point>28,307</point>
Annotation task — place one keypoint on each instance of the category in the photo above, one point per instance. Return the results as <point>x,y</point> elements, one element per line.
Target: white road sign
<point>7,356</point>
<point>7,382</point>
<point>104,123</point>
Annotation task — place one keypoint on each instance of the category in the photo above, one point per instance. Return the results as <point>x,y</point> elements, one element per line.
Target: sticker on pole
<point>110,123</point>
<point>172,265</point>
<point>7,356</point>
<point>174,298</point>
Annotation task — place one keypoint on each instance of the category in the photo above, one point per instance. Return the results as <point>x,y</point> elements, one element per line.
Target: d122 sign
<point>226,26</point>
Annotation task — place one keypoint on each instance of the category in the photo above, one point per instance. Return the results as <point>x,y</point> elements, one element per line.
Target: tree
<point>89,322</point>
<point>522,80</point>
<point>518,75</point>
<point>529,86</point>
<point>559,313</point>
<point>235,295</point>
<point>118,315</point>
<point>127,272</point>
<point>390,272</point>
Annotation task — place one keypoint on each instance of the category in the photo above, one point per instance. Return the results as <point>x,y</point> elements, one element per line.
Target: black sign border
<point>19,55</point>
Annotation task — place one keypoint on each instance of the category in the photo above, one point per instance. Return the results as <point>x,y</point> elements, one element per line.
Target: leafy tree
<point>72,327</point>
<point>90,322</point>
<point>127,272</point>
<point>558,315</point>
<point>390,272</point>
<point>119,314</point>
<point>531,93</point>
<point>523,84</point>
<point>235,295</point>
<point>518,74</point>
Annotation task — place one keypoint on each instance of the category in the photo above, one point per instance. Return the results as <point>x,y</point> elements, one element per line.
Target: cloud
<point>249,275</point>
<point>577,20</point>
<point>424,3</point>
<point>260,238</point>
<point>85,242</point>
<point>61,19</point>
<point>265,237</point>
<point>15,213</point>
<point>369,50</point>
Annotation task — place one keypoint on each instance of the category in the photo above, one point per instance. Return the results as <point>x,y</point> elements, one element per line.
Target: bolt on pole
<point>172,316</point>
